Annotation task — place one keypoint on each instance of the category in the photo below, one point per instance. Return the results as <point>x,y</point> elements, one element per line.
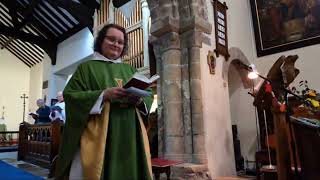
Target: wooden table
<point>160,165</point>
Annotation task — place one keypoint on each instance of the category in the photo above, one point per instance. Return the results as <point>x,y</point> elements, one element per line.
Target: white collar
<point>100,57</point>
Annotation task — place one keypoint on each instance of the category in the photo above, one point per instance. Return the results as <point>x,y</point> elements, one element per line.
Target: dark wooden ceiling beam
<point>119,3</point>
<point>63,24</point>
<point>28,51</point>
<point>2,40</point>
<point>72,31</point>
<point>93,4</point>
<point>49,48</point>
<point>14,33</point>
<point>52,24</point>
<point>12,6</point>
<point>62,13</point>
<point>27,13</point>
<point>23,52</point>
<point>81,12</point>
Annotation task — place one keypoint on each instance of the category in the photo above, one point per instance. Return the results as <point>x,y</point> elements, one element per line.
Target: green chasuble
<point>125,156</point>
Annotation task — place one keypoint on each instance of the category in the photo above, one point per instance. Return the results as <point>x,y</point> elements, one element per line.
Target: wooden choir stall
<point>39,144</point>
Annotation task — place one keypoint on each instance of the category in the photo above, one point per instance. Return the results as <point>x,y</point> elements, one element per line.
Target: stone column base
<point>190,171</point>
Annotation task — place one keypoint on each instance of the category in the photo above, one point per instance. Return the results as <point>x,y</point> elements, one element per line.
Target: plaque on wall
<point>220,23</point>
<point>211,62</point>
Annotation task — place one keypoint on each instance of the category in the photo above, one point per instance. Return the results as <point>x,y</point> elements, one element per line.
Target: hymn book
<point>138,83</point>
<point>34,115</point>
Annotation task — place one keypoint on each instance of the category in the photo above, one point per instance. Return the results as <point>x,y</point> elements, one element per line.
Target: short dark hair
<point>101,35</point>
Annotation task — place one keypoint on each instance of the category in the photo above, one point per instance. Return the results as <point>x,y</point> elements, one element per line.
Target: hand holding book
<point>34,115</point>
<point>138,83</point>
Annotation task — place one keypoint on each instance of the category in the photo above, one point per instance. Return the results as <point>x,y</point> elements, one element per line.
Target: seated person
<point>42,114</point>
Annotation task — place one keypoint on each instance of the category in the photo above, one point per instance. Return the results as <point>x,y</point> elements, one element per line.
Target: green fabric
<point>124,140</point>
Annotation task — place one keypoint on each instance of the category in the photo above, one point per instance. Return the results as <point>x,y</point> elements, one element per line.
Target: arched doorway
<point>244,127</point>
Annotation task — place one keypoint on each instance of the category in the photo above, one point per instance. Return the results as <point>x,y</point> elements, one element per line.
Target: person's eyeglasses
<point>114,40</point>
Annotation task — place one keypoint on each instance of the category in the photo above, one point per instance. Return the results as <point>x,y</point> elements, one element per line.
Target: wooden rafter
<point>28,25</point>
<point>14,33</point>
<point>82,13</point>
<point>119,3</point>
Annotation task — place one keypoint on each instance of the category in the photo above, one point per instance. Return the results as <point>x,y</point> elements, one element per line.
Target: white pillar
<point>145,27</point>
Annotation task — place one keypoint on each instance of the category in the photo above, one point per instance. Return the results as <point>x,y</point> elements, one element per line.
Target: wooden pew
<point>39,143</point>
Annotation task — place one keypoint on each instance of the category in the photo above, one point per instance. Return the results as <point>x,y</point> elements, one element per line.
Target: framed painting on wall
<point>282,25</point>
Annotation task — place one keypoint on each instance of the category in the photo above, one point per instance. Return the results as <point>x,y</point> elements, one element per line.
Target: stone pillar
<point>145,27</point>
<point>171,96</point>
<point>198,145</point>
<point>177,28</point>
<point>193,23</point>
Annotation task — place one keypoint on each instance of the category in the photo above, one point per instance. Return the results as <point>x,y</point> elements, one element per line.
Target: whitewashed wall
<point>70,53</point>
<point>217,120</point>
<point>14,81</point>
<point>35,90</point>
<point>242,111</point>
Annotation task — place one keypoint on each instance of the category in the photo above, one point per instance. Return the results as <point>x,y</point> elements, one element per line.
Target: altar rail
<point>39,144</point>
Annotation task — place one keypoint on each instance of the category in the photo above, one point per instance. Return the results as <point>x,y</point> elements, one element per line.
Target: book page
<point>138,92</point>
<point>154,78</point>
<point>141,77</point>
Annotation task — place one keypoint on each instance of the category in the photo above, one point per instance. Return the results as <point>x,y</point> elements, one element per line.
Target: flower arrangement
<point>311,95</point>
<point>310,108</point>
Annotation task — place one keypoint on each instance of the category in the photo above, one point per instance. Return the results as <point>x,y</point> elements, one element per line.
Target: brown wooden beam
<point>14,33</point>
<point>82,13</point>
<point>119,3</point>
<point>12,6</point>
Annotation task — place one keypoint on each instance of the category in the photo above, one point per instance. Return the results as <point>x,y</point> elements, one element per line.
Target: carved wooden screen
<point>133,27</point>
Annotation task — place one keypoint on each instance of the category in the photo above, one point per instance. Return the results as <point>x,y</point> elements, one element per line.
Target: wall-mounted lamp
<point>253,74</point>
<point>252,71</point>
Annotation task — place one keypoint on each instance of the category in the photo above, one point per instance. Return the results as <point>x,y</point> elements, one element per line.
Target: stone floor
<point>11,158</point>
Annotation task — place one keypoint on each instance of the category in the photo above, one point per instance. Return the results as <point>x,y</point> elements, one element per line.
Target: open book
<point>138,83</point>
<point>33,114</point>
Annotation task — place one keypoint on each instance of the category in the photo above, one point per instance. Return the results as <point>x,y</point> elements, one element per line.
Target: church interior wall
<point>70,53</point>
<point>241,36</point>
<point>217,121</point>
<point>46,75</point>
<point>72,50</point>
<point>216,112</point>
<point>35,90</point>
<point>14,80</point>
<point>241,101</point>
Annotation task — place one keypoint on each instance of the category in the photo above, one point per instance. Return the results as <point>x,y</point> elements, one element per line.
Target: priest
<point>104,135</point>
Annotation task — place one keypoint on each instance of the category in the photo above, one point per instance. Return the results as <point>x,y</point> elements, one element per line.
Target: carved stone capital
<point>167,41</point>
<point>195,22</point>
<point>164,25</point>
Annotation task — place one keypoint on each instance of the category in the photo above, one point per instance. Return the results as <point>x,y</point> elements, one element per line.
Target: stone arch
<point>236,55</point>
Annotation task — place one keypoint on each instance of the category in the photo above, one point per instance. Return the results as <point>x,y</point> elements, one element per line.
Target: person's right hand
<point>115,93</point>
